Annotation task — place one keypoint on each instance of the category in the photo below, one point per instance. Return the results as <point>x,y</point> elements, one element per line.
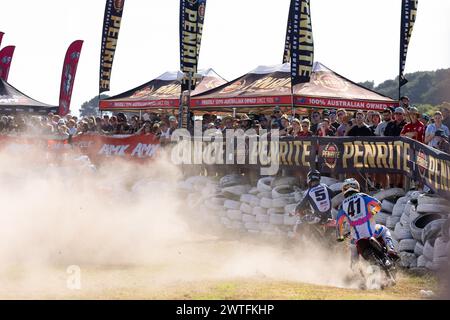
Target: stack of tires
<point>420,225</point>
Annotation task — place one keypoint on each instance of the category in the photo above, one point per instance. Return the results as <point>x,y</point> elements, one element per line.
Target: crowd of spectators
<point>404,120</point>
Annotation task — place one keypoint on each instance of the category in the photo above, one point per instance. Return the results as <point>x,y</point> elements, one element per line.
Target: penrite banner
<point>192,16</point>
<point>111,28</point>
<point>287,42</point>
<point>6,55</point>
<point>1,37</point>
<point>409,13</point>
<point>68,76</point>
<point>302,44</point>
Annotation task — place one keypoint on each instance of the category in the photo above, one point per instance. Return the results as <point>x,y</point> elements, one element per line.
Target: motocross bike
<point>374,251</point>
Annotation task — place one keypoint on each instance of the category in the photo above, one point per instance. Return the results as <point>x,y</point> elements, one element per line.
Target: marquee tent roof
<point>13,101</point>
<point>268,86</point>
<point>160,93</point>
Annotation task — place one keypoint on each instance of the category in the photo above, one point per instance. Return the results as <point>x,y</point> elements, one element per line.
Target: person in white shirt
<point>387,117</point>
<point>430,137</point>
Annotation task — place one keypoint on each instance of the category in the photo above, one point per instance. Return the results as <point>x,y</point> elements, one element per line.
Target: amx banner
<point>6,55</point>
<point>192,16</point>
<point>68,76</point>
<point>111,28</point>
<point>409,13</point>
<point>302,44</point>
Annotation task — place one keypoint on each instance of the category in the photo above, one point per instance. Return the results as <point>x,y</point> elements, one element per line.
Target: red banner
<point>68,76</point>
<point>343,103</point>
<point>6,55</point>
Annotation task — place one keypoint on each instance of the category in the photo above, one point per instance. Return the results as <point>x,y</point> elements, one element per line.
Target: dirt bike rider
<point>359,209</point>
<point>318,197</point>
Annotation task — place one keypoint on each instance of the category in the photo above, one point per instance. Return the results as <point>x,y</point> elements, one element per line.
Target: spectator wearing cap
<point>404,102</point>
<point>414,129</point>
<point>173,124</point>
<point>394,128</point>
<point>245,122</point>
<point>263,122</point>
<point>276,115</point>
<point>315,120</point>
<point>359,128</point>
<point>333,119</point>
<point>430,133</point>
<point>325,129</point>
<point>387,117</point>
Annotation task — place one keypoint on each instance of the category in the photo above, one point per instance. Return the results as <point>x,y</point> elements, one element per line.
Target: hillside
<point>424,87</point>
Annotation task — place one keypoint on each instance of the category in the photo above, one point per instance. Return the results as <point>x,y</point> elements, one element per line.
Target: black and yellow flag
<point>409,12</point>
<point>302,44</point>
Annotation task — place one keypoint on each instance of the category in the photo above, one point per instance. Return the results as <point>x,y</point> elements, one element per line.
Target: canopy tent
<point>269,86</point>
<point>12,101</point>
<point>160,93</point>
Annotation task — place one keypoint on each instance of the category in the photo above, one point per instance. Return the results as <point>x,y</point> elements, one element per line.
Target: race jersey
<point>319,198</point>
<point>359,211</point>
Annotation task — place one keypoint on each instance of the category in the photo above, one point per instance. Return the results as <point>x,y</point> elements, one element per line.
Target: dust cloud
<point>124,217</point>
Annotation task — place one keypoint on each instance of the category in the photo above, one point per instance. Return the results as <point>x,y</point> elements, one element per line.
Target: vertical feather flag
<point>287,42</point>
<point>1,37</point>
<point>111,28</point>
<point>192,16</point>
<point>409,13</point>
<point>302,44</point>
<point>6,55</point>
<point>68,76</point>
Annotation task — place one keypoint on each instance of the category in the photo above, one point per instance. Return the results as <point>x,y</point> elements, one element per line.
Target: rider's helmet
<point>350,186</point>
<point>313,178</point>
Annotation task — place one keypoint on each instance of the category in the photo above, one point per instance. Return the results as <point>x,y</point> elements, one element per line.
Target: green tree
<point>90,108</point>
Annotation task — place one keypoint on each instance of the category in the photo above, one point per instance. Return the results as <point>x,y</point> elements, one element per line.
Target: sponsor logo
<point>330,154</point>
<point>75,55</point>
<point>201,11</point>
<point>331,82</point>
<point>422,163</point>
<point>6,60</point>
<point>118,5</point>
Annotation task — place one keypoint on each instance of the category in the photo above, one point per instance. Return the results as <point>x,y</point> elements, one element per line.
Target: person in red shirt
<point>414,129</point>
<point>305,130</point>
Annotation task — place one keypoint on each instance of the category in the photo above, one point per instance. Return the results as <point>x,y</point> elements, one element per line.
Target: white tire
<point>391,221</point>
<point>237,190</point>
<point>282,202</point>
<point>283,191</point>
<point>212,206</point>
<point>388,193</point>
<point>202,180</point>
<point>262,218</point>
<point>267,195</point>
<point>249,198</point>
<point>407,245</point>
<point>266,203</point>
<point>402,232</point>
<point>290,220</point>
<point>428,251</point>
<point>413,214</point>
<point>218,201</point>
<point>402,200</point>
<point>387,206</point>
<point>336,187</point>
<point>398,210</point>
<point>246,208</point>
<point>432,230</point>
<point>407,259</point>
<point>264,184</point>
<point>232,180</point>
<point>408,207</point>
<point>421,261</point>
<point>276,219</point>
<point>253,191</point>
<point>248,218</point>
<point>231,204</point>
<point>263,226</point>
<point>328,181</point>
<point>290,208</point>
<point>440,248</point>
<point>414,195</point>
<point>283,181</point>
<point>418,249</point>
<point>433,200</point>
<point>252,226</point>
<point>420,222</point>
<point>432,208</point>
<point>337,200</point>
<point>381,217</point>
<point>259,210</point>
<point>234,215</point>
<point>275,211</point>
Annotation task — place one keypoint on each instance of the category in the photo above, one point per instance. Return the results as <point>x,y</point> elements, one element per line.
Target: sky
<point>359,39</point>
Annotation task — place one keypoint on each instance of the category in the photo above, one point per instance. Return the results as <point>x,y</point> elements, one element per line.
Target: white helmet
<point>350,185</point>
